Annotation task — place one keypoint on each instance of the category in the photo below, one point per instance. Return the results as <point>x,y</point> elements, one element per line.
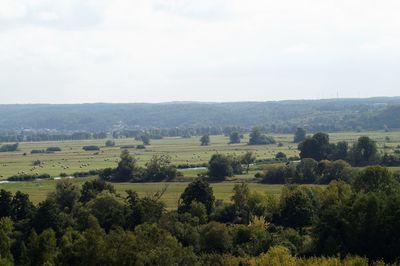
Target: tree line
<point>363,152</point>
<point>278,117</point>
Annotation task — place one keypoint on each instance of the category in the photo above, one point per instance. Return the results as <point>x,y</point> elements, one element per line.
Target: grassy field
<point>38,190</point>
<point>73,159</point>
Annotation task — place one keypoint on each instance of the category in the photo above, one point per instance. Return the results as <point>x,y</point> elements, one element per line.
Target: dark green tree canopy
<point>145,139</point>
<point>234,137</point>
<point>200,191</point>
<point>299,135</point>
<point>375,179</point>
<point>257,138</point>
<point>317,147</point>
<point>220,167</point>
<point>205,140</point>
<point>364,152</point>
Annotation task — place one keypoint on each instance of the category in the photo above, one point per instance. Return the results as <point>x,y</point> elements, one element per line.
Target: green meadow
<point>38,190</point>
<point>182,151</point>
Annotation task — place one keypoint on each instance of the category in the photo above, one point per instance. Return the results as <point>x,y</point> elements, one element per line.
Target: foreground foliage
<point>342,224</point>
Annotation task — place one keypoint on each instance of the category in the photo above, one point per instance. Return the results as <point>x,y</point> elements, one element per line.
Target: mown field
<point>182,151</point>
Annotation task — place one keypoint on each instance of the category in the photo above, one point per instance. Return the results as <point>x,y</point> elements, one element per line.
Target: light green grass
<point>72,158</point>
<point>38,190</point>
<point>182,151</point>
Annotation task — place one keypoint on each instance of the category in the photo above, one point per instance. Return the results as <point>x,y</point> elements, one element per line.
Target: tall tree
<point>23,208</point>
<point>127,168</point>
<point>200,191</point>
<point>317,147</point>
<point>5,203</point>
<point>364,152</point>
<point>220,167</point>
<point>205,140</point>
<point>66,195</point>
<point>6,228</point>
<point>297,207</point>
<point>299,135</point>
<point>90,189</point>
<point>160,168</point>
<point>234,137</point>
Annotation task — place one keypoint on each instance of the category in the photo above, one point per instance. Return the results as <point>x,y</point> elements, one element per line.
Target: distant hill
<point>282,116</point>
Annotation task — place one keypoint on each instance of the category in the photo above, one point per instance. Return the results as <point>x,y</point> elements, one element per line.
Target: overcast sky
<point>74,51</point>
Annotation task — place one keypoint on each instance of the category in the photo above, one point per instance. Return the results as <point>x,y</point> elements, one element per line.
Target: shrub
<point>128,147</point>
<point>37,151</point>
<point>278,174</point>
<point>53,149</point>
<point>110,143</point>
<point>86,174</point>
<point>28,177</point>
<point>91,148</point>
<point>280,155</point>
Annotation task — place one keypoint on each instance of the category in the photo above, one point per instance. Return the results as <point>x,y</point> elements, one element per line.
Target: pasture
<point>38,190</point>
<point>72,159</point>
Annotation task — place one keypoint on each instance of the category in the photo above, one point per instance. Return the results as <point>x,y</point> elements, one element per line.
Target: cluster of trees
<point>235,137</point>
<point>186,132</point>
<point>29,136</point>
<point>257,138</point>
<point>91,148</point>
<point>363,152</point>
<point>222,166</point>
<point>48,150</point>
<point>28,177</point>
<point>308,171</point>
<point>340,224</point>
<point>9,147</point>
<point>158,168</point>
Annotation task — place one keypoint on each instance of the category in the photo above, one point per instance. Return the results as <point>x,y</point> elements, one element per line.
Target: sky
<point>78,51</point>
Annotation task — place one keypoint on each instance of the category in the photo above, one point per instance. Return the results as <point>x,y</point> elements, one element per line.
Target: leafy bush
<point>53,149</point>
<point>28,177</point>
<point>124,147</point>
<point>86,174</point>
<point>37,151</point>
<point>280,155</point>
<point>110,143</point>
<point>91,148</point>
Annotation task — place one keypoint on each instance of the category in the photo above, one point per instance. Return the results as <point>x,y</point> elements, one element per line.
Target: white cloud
<point>11,9</point>
<point>162,50</point>
<point>46,16</point>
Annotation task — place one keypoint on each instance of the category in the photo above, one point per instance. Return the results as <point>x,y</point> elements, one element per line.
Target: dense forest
<point>354,223</point>
<point>281,116</point>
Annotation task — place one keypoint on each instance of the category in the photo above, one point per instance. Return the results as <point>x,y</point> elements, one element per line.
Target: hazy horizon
<point>158,51</point>
<point>205,102</point>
